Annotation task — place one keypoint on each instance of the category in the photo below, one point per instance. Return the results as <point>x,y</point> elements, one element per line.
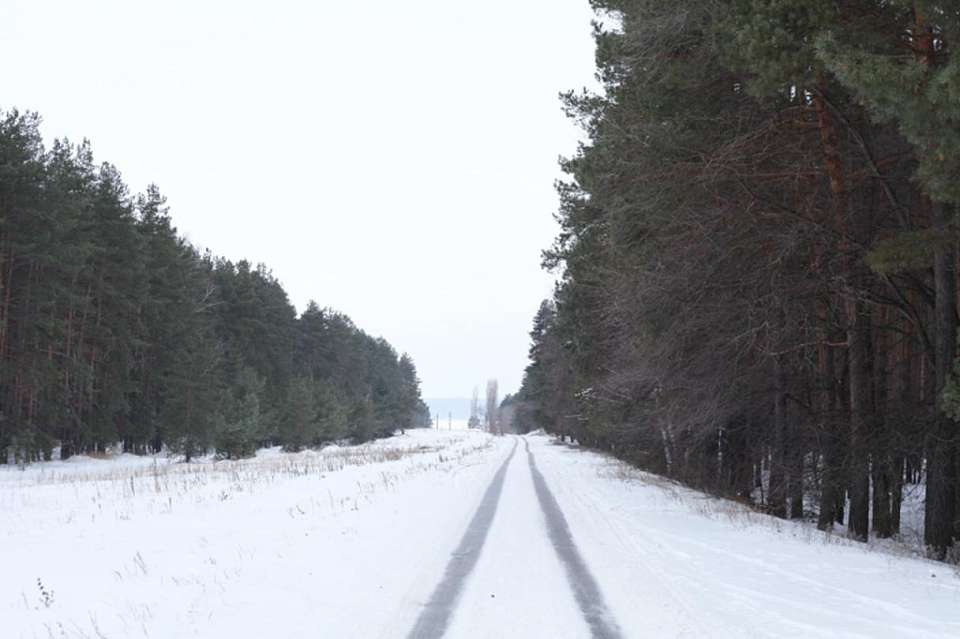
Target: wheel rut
<point>586,591</point>
<point>435,617</point>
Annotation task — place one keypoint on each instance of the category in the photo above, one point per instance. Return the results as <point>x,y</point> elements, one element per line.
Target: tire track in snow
<point>637,551</point>
<point>435,617</point>
<point>584,586</point>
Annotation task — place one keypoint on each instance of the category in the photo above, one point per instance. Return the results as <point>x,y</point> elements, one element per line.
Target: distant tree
<point>332,413</point>
<point>192,394</point>
<point>474,421</point>
<point>299,426</point>
<point>361,421</point>
<point>422,416</point>
<point>114,329</point>
<point>241,429</point>
<point>492,416</point>
<point>409,393</point>
<point>507,414</point>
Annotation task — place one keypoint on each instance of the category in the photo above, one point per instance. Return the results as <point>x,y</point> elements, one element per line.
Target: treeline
<point>759,257</point>
<point>113,328</point>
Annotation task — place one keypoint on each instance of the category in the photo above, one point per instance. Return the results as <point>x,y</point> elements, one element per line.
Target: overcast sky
<point>392,159</point>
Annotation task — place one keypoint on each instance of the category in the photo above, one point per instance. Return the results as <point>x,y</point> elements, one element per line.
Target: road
<point>566,543</point>
<point>518,564</point>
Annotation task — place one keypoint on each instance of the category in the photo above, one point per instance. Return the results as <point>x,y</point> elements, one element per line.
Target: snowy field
<point>351,542</point>
<point>307,545</point>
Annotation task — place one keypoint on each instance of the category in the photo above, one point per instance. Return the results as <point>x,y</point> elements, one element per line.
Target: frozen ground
<point>675,563</point>
<point>357,542</point>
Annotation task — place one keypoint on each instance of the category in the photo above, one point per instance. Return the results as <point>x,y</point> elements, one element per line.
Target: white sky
<point>394,160</point>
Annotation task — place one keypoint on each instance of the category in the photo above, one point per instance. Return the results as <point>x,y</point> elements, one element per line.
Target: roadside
<point>677,563</point>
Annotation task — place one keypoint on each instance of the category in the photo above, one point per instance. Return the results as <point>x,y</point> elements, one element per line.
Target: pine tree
<point>299,426</point>
<point>747,287</point>
<point>242,426</point>
<point>331,413</point>
<point>409,399</point>
<point>192,391</point>
<point>113,329</point>
<point>361,420</point>
<point>920,95</point>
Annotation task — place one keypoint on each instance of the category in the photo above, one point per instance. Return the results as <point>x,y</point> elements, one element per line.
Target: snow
<point>511,586</point>
<point>351,542</point>
<point>676,563</point>
<point>339,543</point>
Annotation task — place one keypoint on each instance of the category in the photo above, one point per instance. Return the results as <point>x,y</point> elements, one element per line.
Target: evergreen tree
<point>361,421</point>
<point>192,394</point>
<point>331,413</point>
<point>299,427</point>
<point>409,399</point>
<point>241,429</point>
<point>757,256</point>
<point>918,95</point>
<point>113,329</point>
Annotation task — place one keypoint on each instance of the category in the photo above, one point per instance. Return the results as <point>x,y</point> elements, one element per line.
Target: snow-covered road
<point>430,533</point>
<point>529,577</point>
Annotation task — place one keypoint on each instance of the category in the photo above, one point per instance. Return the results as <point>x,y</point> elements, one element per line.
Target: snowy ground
<point>675,563</point>
<point>353,542</point>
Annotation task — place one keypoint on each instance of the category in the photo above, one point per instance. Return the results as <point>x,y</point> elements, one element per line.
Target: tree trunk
<point>940,506</point>
<point>796,480</point>
<point>777,492</point>
<point>830,486</point>
<point>860,403</point>
<point>882,462</point>
<point>857,335</point>
<point>882,524</point>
